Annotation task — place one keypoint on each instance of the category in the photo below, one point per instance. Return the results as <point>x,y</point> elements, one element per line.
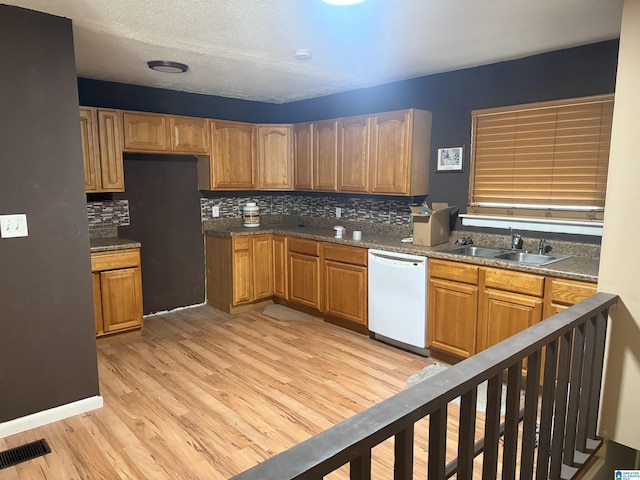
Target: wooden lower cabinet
<point>452,307</point>
<point>279,245</point>
<point>303,262</point>
<point>509,303</point>
<point>561,293</point>
<point>262,266</point>
<point>455,305</point>
<point>117,291</point>
<point>239,270</point>
<point>345,283</point>
<point>503,314</point>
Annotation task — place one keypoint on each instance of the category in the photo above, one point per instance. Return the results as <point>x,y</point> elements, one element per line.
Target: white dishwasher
<point>398,299</point>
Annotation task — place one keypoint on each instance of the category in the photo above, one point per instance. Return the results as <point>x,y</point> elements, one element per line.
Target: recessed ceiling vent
<point>20,454</point>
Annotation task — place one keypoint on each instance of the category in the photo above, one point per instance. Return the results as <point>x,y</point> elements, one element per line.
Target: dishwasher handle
<point>397,261</point>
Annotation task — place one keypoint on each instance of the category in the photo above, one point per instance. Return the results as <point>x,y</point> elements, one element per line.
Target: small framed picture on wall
<point>450,159</point>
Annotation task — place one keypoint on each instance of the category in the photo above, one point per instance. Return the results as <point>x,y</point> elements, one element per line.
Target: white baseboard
<point>51,415</point>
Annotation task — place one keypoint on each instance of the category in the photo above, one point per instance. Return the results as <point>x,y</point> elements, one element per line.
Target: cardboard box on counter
<point>431,228</point>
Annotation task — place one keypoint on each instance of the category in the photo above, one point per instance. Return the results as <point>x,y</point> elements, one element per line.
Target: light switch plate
<point>215,211</point>
<point>12,226</point>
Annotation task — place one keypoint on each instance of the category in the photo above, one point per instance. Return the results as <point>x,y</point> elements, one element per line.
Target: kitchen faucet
<point>516,240</point>
<point>541,246</point>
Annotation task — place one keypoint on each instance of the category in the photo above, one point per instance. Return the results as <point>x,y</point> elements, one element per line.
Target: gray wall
<point>47,337</point>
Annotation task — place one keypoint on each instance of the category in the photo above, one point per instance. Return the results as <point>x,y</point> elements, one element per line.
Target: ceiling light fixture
<point>342,2</point>
<point>302,54</point>
<point>167,67</point>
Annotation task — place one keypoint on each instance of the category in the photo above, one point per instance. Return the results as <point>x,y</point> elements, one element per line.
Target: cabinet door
<point>110,146</point>
<point>452,317</point>
<point>303,156</point>
<point>390,151</point>
<point>189,135</point>
<point>121,299</point>
<point>90,149</point>
<point>262,254</point>
<point>345,288</point>
<point>304,279</point>
<point>325,155</point>
<point>353,154</point>
<point>145,132</point>
<point>280,266</point>
<point>97,303</point>
<point>504,314</point>
<point>233,155</point>
<point>275,157</point>
<point>242,271</point>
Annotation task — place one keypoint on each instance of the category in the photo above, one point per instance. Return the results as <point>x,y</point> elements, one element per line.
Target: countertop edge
<point>108,244</point>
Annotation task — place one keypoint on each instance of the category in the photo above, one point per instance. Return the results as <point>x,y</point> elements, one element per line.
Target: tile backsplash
<point>393,211</point>
<point>111,213</point>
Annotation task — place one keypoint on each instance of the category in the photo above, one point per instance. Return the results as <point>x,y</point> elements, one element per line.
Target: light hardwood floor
<point>205,395</point>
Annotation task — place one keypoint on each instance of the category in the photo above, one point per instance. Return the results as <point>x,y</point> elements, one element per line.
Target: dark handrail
<point>353,439</point>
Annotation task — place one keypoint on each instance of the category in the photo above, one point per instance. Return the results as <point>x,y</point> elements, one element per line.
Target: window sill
<point>534,224</point>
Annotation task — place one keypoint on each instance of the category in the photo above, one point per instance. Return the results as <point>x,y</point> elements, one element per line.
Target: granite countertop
<point>106,244</point>
<point>579,266</point>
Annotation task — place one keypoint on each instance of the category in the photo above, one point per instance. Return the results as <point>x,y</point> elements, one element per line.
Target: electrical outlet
<point>12,226</point>
<point>215,211</point>
<point>338,212</point>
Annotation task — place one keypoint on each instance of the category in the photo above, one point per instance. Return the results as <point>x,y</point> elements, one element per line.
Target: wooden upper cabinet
<point>189,134</point>
<point>233,155</point>
<point>102,149</point>
<point>325,155</point>
<point>303,156</point>
<point>145,132</point>
<point>275,157</point>
<point>152,132</point>
<point>90,149</point>
<point>399,156</point>
<point>353,154</point>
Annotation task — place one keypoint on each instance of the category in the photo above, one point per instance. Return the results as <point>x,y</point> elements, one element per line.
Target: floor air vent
<point>20,454</point>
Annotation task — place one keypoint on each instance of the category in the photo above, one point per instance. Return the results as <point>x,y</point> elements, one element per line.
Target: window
<point>542,160</point>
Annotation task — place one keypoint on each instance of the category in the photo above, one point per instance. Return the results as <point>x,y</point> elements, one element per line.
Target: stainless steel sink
<point>531,258</point>
<point>474,251</point>
<point>509,255</point>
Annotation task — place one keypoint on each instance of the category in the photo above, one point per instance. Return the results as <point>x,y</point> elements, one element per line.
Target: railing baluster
<point>437,444</point>
<point>492,427</point>
<point>466,435</point>
<point>360,467</point>
<point>530,420</point>
<point>403,454</point>
<point>596,376</point>
<point>560,415</point>
<point>514,380</point>
<point>546,414</point>
<point>574,395</point>
<point>583,410</point>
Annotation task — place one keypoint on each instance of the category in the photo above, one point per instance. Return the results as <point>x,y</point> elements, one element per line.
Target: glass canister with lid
<point>251,215</point>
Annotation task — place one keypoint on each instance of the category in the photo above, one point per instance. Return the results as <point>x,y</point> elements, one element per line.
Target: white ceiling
<point>244,48</point>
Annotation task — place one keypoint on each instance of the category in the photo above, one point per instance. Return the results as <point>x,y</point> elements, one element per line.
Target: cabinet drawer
<point>241,243</point>
<point>345,254</point>
<point>102,261</point>
<point>518,282</point>
<point>301,245</point>
<point>570,292</point>
<point>456,271</point>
